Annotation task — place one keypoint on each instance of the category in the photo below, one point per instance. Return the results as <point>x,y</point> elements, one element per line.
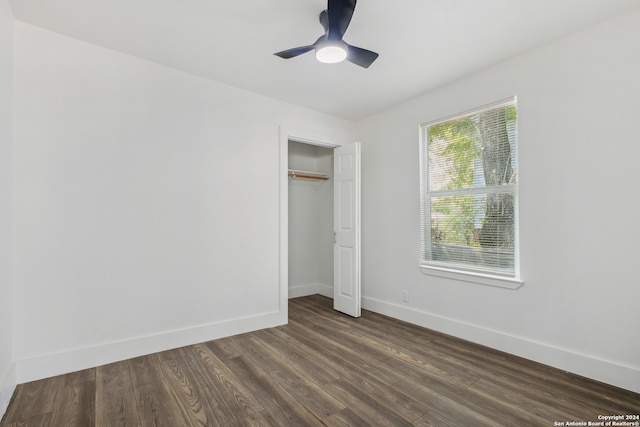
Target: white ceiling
<point>422,44</point>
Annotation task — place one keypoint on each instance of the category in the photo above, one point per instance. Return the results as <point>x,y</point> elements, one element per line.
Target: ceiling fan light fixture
<point>330,47</point>
<point>331,53</point>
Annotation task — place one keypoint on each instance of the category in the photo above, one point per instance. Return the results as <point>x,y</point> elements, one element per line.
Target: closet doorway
<point>320,220</point>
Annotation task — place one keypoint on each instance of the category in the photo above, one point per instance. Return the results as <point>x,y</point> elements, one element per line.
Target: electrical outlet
<point>405,296</point>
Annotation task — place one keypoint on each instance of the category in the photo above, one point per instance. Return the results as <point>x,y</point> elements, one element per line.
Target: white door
<point>346,223</point>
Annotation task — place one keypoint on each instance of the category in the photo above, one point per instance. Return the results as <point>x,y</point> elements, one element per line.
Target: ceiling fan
<point>330,48</point>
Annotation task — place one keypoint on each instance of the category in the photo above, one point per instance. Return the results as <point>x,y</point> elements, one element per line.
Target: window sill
<point>465,276</point>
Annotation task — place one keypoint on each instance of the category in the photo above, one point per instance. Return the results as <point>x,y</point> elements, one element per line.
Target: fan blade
<point>290,53</point>
<point>340,13</point>
<point>324,20</point>
<point>361,57</point>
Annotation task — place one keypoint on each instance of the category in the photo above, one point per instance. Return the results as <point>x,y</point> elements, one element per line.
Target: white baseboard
<point>589,366</point>
<point>325,290</point>
<point>7,387</point>
<point>49,365</point>
<point>311,289</point>
<point>303,290</point>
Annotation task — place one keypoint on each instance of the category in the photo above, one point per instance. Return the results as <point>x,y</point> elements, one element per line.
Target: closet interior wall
<point>310,222</point>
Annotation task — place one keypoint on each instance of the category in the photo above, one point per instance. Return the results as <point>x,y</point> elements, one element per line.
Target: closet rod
<point>307,175</point>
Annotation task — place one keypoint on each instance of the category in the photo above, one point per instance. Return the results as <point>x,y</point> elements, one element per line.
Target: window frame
<point>450,270</point>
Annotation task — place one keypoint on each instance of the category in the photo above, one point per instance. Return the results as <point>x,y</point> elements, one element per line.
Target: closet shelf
<point>308,175</point>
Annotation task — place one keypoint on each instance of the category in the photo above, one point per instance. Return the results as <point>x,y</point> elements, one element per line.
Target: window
<point>469,189</point>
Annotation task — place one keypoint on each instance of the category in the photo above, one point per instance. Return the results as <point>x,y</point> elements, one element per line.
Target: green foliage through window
<point>470,189</point>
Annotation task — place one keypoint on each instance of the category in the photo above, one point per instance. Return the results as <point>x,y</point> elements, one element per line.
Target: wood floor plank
<point>33,399</point>
<point>318,371</point>
<point>424,359</point>
<point>374,412</point>
<point>394,398</point>
<point>42,420</point>
<point>145,370</point>
<point>196,401</point>
<point>281,407</point>
<point>156,407</point>
<point>343,354</point>
<point>321,369</point>
<point>540,391</point>
<point>237,399</point>
<point>321,352</point>
<point>398,359</point>
<point>260,419</point>
<point>538,411</point>
<point>344,418</point>
<point>153,397</point>
<point>225,348</point>
<point>454,417</point>
<point>292,378</point>
<point>79,377</point>
<point>558,386</point>
<point>74,405</point>
<point>408,406</point>
<point>469,401</point>
<point>115,400</point>
<point>359,347</point>
<point>443,410</point>
<point>374,324</point>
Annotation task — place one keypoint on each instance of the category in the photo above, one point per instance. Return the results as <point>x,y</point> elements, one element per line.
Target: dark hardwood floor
<point>323,368</point>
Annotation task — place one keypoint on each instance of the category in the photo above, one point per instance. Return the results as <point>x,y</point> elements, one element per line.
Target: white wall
<point>310,222</point>
<point>579,104</point>
<point>7,371</point>
<point>146,205</point>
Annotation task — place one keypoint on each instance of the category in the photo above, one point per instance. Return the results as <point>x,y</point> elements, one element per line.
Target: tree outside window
<point>469,181</point>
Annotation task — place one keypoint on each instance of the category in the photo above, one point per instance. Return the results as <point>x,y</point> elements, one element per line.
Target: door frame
<point>305,137</point>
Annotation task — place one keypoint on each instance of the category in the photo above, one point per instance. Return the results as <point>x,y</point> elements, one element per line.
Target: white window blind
<point>470,190</point>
